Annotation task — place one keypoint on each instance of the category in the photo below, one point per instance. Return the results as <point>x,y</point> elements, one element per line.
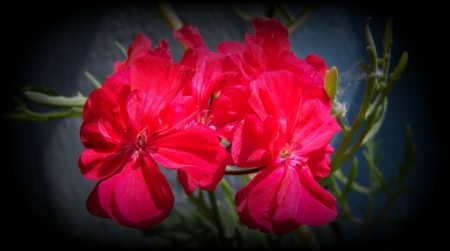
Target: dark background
<point>36,56</point>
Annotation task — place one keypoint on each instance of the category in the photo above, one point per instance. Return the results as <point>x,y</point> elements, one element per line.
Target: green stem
<point>260,237</point>
<point>169,16</point>
<point>347,213</point>
<point>306,238</point>
<point>371,80</point>
<point>217,219</point>
<point>359,140</point>
<point>231,170</point>
<point>355,186</point>
<point>301,17</point>
<point>201,206</point>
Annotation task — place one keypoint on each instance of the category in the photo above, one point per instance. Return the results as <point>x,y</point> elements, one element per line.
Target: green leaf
<point>185,228</point>
<point>387,44</point>
<point>43,90</point>
<point>409,189</point>
<point>121,48</point>
<point>56,101</point>
<point>301,17</point>
<point>95,83</point>
<point>243,13</point>
<point>22,113</point>
<point>331,82</point>
<point>409,158</point>
<point>282,11</point>
<point>351,179</point>
<point>372,159</point>
<point>355,186</point>
<point>398,71</point>
<point>199,202</point>
<point>381,111</point>
<point>410,152</point>
<point>371,49</point>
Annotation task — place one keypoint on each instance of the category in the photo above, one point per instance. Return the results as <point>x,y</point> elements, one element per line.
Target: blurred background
<point>44,192</point>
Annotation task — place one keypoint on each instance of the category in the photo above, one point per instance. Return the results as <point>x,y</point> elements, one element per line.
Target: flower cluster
<point>254,106</point>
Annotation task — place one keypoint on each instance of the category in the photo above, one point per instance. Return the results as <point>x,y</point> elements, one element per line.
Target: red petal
<point>93,204</point>
<point>270,200</point>
<point>316,205</point>
<point>319,162</point>
<point>275,35</point>
<point>231,47</point>
<point>280,199</point>
<point>142,46</point>
<point>318,63</point>
<point>160,79</point>
<point>137,197</point>
<point>196,152</point>
<point>317,126</point>
<point>251,146</point>
<point>209,77</point>
<point>189,36</point>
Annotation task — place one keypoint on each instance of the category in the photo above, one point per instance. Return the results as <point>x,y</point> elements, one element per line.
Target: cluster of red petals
<point>288,131</point>
<point>258,95</point>
<point>136,122</point>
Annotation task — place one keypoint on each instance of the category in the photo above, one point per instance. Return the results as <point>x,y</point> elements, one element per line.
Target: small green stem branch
<point>217,219</point>
<point>342,197</point>
<point>370,113</point>
<point>338,158</point>
<point>169,15</point>
<point>301,17</point>
<point>306,238</point>
<point>359,140</point>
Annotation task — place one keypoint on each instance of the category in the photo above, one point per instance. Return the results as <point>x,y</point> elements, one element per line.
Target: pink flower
<point>137,121</point>
<point>288,132</point>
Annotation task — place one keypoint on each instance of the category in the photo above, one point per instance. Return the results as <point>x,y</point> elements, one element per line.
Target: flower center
<point>289,155</point>
<point>288,148</point>
<point>204,117</point>
<point>141,137</point>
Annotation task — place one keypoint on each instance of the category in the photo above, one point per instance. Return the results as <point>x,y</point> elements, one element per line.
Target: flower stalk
<point>217,219</point>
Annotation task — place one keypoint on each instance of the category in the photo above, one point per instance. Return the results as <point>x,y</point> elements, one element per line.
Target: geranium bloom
<point>290,137</point>
<point>142,46</point>
<point>288,133</point>
<point>220,104</point>
<point>135,122</point>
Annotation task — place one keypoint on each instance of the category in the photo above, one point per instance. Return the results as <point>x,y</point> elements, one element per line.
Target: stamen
<point>288,149</point>
<point>203,117</point>
<point>141,137</point>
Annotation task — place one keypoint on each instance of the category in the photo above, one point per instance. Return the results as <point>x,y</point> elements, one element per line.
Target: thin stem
<point>355,186</point>
<point>217,219</point>
<point>371,79</point>
<point>306,237</point>
<point>262,240</point>
<point>241,171</point>
<point>359,140</point>
<point>301,17</point>
<point>169,15</point>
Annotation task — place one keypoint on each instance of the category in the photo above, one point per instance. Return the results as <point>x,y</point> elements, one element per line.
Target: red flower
<point>291,138</point>
<point>220,104</point>
<point>136,121</point>
<point>142,46</point>
<point>288,132</point>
